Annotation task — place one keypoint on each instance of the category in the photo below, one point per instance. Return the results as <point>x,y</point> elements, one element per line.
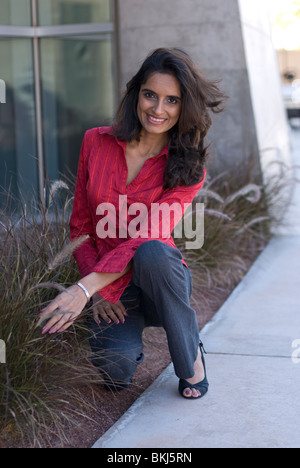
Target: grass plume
<point>66,252</point>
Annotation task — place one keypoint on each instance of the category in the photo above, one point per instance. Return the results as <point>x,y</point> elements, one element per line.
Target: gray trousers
<point>158,295</point>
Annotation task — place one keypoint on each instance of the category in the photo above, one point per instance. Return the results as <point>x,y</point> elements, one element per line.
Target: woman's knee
<point>154,254</point>
<point>117,368</point>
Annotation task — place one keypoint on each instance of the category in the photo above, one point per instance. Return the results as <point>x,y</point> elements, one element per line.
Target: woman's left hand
<point>68,306</point>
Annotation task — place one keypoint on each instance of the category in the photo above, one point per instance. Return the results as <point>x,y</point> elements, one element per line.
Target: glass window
<point>76,77</point>
<point>77,94</point>
<point>18,153</point>
<point>15,13</point>
<point>55,12</point>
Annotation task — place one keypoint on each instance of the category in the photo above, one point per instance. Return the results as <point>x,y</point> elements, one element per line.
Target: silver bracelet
<point>84,290</point>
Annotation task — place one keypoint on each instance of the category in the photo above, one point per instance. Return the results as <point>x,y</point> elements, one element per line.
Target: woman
<point>153,156</point>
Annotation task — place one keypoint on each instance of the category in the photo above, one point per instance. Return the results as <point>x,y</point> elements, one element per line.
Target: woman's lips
<point>155,120</point>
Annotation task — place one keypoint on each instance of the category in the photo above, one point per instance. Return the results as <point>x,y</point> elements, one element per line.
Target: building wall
<point>212,32</point>
<point>265,86</point>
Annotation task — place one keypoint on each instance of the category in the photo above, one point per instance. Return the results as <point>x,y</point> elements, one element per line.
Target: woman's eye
<point>149,95</point>
<point>172,100</point>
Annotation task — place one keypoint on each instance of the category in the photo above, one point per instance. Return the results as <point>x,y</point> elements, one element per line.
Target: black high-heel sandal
<point>202,386</point>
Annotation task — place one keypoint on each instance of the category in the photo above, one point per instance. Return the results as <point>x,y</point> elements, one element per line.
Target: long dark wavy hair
<point>187,153</point>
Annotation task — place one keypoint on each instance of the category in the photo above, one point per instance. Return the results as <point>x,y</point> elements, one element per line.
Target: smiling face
<point>159,103</point>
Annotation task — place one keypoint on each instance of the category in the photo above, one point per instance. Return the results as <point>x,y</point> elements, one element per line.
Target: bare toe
<point>187,393</point>
<point>195,393</point>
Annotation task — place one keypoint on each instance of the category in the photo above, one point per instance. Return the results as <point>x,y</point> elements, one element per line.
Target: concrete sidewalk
<point>253,346</point>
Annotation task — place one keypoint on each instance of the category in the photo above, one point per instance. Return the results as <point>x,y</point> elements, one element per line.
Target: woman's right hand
<point>108,311</point>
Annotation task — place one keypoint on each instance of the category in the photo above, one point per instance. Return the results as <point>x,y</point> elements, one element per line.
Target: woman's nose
<point>159,107</point>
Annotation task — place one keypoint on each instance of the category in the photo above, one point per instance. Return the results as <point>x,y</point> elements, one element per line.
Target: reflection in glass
<point>54,12</point>
<point>18,154</point>
<point>15,13</point>
<point>77,94</point>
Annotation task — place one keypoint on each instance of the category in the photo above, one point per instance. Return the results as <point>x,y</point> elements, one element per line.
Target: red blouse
<point>101,184</point>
